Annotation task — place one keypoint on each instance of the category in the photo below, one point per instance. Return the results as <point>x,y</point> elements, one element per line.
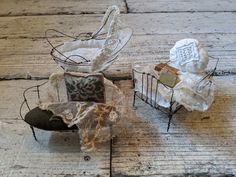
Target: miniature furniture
<point>70,97</point>
<point>72,101</point>
<point>183,81</point>
<point>92,52</point>
<point>147,88</point>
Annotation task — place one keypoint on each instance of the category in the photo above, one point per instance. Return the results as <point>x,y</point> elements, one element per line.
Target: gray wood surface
<point>151,23</point>
<point>55,7</point>
<point>152,40</point>
<point>173,6</point>
<point>196,142</point>
<point>20,58</point>
<point>57,154</point>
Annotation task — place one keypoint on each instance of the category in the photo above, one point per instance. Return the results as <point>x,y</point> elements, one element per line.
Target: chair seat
<point>46,120</point>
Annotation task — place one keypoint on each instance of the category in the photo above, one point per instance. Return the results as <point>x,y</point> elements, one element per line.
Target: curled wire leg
<point>170,117</point>
<point>32,128</point>
<point>134,98</point>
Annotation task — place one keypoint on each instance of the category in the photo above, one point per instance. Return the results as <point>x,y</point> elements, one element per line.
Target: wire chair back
<point>26,105</point>
<point>149,88</point>
<point>107,34</point>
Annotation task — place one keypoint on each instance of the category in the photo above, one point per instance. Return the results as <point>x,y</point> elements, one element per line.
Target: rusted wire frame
<point>54,48</point>
<point>26,103</point>
<point>73,63</point>
<point>172,102</point>
<point>150,80</point>
<point>87,36</point>
<point>211,73</point>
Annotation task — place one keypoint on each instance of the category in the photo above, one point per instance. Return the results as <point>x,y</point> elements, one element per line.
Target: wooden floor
<point>198,144</point>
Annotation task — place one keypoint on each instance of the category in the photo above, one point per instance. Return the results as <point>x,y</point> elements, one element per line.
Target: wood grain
<point>173,6</point>
<point>153,23</point>
<point>56,154</point>
<point>29,58</point>
<point>54,7</point>
<point>153,37</point>
<point>196,143</point>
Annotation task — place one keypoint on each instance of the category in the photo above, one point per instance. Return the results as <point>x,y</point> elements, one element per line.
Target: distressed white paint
<point>173,6</point>
<point>54,7</point>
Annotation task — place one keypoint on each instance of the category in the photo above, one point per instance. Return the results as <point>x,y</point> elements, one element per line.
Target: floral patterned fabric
<point>85,88</point>
<point>94,120</point>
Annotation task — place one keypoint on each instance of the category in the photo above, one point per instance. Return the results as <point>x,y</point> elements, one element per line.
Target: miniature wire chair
<point>147,86</point>
<point>91,52</point>
<point>150,83</point>
<point>59,92</point>
<point>88,52</point>
<point>25,104</point>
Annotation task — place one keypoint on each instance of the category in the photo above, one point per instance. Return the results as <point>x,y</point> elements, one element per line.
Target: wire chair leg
<point>170,117</point>
<point>32,128</point>
<point>134,98</point>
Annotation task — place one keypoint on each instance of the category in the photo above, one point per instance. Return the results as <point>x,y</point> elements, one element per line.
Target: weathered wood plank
<point>12,97</point>
<point>153,23</point>
<point>53,7</point>
<point>26,57</point>
<point>15,27</point>
<point>139,6</point>
<point>56,154</point>
<point>196,143</point>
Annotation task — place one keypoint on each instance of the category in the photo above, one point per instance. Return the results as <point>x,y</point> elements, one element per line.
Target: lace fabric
<point>94,120</point>
<point>192,92</point>
<point>189,55</point>
<point>99,50</point>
